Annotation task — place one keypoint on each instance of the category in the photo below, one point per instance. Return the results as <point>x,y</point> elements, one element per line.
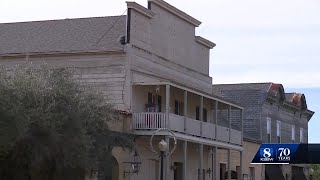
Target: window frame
<point>293,133</point>
<point>268,119</point>
<point>279,131</point>
<point>301,135</point>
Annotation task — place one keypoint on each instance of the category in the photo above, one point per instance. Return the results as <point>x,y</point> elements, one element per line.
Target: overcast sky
<point>257,40</point>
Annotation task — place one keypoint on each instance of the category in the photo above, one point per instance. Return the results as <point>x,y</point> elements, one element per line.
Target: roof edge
<point>205,42</point>
<point>177,12</point>
<point>139,8</point>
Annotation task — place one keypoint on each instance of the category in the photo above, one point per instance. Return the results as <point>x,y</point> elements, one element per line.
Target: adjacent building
<point>272,116</point>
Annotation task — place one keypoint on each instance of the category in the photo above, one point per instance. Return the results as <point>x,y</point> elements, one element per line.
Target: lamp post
<point>162,147</point>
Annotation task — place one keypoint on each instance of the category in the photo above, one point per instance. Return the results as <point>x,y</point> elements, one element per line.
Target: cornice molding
<point>205,42</point>
<point>177,12</point>
<point>141,9</point>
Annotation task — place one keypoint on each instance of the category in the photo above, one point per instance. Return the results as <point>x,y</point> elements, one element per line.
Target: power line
<point>110,28</point>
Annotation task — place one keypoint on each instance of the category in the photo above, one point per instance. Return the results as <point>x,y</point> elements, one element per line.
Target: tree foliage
<point>51,126</point>
<point>316,171</point>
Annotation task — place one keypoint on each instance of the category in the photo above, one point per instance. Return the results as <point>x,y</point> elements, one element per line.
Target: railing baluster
<point>148,120</point>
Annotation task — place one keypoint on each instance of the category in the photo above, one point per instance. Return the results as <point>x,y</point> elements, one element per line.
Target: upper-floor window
<point>178,107</point>
<point>205,116</point>
<point>154,103</point>
<point>269,129</point>
<point>293,133</point>
<point>301,135</point>
<point>279,131</point>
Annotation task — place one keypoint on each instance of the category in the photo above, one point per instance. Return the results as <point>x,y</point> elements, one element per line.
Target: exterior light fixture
<point>135,164</point>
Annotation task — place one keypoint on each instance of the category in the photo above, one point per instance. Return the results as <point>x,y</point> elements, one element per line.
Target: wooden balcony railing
<point>156,120</point>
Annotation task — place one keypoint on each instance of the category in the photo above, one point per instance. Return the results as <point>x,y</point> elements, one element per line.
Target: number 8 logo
<point>266,152</point>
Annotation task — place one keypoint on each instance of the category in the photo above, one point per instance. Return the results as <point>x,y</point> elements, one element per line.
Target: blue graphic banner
<point>287,154</point>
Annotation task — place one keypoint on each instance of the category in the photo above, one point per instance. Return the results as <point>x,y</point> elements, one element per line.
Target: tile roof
<point>67,35</point>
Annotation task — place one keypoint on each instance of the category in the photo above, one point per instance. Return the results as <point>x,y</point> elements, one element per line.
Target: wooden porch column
<point>167,105</point>
<point>185,170</point>
<point>241,164</point>
<point>229,164</point>
<point>201,163</point>
<point>241,125</point>
<point>215,165</point>
<point>185,110</point>
<point>229,119</point>
<point>216,118</point>
<point>201,114</point>
<point>201,145</point>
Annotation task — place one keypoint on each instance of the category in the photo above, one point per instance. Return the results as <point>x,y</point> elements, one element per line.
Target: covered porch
<point>189,113</point>
<point>198,120</point>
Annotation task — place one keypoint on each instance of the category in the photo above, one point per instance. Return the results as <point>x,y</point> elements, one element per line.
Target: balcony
<point>188,113</point>
<point>187,126</point>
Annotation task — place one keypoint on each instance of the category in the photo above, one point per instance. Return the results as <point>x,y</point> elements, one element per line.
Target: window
<point>293,133</point>
<point>150,98</point>
<point>205,115</point>
<point>178,108</point>
<point>197,113</point>
<point>269,129</point>
<point>251,173</point>
<point>159,103</point>
<point>279,131</point>
<point>154,103</point>
<point>301,135</point>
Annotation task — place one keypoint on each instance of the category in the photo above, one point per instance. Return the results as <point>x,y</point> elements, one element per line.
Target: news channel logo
<point>271,154</point>
<point>283,154</point>
<point>266,154</point>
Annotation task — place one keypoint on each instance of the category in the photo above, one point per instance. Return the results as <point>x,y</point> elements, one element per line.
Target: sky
<point>257,40</point>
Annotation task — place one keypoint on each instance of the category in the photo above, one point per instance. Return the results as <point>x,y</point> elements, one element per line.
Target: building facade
<point>149,65</point>
<point>272,116</point>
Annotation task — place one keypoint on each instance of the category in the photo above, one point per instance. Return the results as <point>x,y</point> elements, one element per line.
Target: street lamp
<point>162,147</point>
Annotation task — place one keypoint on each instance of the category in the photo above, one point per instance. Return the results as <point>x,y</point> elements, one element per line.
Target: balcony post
<point>241,125</point>
<point>185,170</point>
<point>216,118</point>
<point>229,119</point>
<point>241,164</point>
<point>167,105</point>
<point>185,110</point>
<point>215,166</point>
<point>201,114</point>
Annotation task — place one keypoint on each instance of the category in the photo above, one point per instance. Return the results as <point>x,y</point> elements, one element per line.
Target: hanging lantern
<point>135,164</point>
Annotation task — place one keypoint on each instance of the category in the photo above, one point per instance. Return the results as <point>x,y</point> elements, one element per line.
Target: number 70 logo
<point>284,152</point>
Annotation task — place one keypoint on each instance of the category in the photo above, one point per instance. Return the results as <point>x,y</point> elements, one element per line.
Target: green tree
<point>316,171</point>
<point>52,127</point>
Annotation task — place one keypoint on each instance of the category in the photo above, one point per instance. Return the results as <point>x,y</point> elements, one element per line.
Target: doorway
<point>223,168</point>
<point>178,171</point>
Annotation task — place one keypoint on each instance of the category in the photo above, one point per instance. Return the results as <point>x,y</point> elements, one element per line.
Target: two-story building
<point>272,116</point>
<point>153,68</point>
